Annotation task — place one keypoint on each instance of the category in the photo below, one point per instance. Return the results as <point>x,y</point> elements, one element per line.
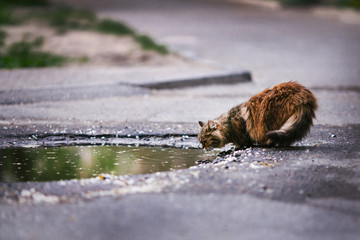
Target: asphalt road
<point>308,191</point>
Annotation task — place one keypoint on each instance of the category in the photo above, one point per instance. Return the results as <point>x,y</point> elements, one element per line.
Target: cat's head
<point>210,135</point>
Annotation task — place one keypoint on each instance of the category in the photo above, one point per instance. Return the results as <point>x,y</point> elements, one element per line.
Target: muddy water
<point>62,163</point>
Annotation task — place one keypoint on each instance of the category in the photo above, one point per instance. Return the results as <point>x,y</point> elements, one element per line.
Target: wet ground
<point>328,157</point>
<point>311,190</point>
<point>67,163</point>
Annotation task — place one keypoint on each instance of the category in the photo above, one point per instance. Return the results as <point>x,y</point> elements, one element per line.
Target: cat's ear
<point>201,123</point>
<point>213,125</point>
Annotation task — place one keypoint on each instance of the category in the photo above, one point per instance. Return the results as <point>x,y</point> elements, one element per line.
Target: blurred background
<point>304,40</point>
<point>87,43</point>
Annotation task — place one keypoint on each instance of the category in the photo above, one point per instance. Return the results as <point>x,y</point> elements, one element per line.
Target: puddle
<point>63,163</point>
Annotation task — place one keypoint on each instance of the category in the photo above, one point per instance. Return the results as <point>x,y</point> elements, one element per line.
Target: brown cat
<point>274,117</point>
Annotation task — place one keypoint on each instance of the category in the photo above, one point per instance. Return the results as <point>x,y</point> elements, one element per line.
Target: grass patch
<point>147,43</point>
<point>301,3</point>
<point>83,59</point>
<point>65,18</point>
<point>6,15</point>
<point>350,3</point>
<point>109,26</point>
<point>25,54</point>
<point>355,4</point>
<point>2,37</point>
<point>27,3</point>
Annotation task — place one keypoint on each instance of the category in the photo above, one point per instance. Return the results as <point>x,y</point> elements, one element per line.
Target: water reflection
<point>49,164</point>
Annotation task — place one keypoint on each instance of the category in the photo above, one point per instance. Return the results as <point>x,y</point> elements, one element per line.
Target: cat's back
<point>284,94</point>
<point>271,108</point>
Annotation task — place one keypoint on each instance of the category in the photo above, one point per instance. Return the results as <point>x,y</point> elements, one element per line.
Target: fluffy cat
<point>278,116</point>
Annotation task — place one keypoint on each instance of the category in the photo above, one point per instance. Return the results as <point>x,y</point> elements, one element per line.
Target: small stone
<point>203,161</point>
<point>218,159</point>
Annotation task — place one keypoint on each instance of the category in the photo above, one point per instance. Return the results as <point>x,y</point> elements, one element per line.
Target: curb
<point>68,92</point>
<point>229,78</point>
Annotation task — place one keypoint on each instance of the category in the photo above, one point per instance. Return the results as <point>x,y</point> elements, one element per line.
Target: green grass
<point>65,18</point>
<point>25,54</point>
<point>349,3</point>
<point>109,26</point>
<point>355,4</point>
<point>2,37</point>
<point>147,43</point>
<point>6,15</point>
<point>28,3</point>
<point>83,59</point>
<point>300,2</point>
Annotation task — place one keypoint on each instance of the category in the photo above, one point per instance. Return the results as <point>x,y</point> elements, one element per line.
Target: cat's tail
<point>296,127</point>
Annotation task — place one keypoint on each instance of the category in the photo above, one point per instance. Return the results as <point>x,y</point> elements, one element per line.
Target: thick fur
<point>275,117</point>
